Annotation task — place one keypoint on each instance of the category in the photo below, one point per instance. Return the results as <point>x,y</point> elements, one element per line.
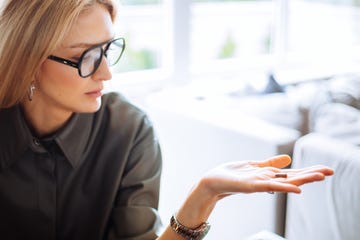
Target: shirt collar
<point>74,138</point>
<point>16,137</point>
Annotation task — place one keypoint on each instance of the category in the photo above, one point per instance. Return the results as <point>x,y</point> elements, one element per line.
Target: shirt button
<point>36,142</point>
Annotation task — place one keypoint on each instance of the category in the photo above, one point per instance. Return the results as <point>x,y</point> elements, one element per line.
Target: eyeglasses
<point>91,58</point>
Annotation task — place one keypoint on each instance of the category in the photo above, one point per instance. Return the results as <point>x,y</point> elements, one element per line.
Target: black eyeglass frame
<point>78,64</point>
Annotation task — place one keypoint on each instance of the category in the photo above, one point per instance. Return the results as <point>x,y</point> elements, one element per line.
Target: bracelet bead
<point>190,234</point>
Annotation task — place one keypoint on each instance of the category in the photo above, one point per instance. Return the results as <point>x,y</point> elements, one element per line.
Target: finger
<point>299,180</point>
<point>321,169</point>
<point>279,161</point>
<point>317,168</point>
<point>275,186</point>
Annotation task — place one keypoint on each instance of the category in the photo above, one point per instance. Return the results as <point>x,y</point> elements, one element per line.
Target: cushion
<point>339,121</point>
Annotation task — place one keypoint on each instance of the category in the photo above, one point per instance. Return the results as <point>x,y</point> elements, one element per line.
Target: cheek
<point>58,76</point>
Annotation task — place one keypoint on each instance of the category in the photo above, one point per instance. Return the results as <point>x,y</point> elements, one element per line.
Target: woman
<point>78,165</point>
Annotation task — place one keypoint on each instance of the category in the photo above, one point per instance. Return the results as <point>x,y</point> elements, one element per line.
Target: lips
<point>95,93</point>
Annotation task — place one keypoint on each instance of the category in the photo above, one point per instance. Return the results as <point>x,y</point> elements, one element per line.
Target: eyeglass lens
<point>90,61</point>
<point>114,51</point>
<point>92,58</point>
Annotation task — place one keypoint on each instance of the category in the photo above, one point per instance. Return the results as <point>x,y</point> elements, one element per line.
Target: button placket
<point>47,191</point>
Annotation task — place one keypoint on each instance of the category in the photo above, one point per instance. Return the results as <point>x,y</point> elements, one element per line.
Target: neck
<point>44,120</point>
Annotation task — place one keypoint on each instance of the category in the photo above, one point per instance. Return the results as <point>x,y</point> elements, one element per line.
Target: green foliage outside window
<point>228,49</point>
<point>133,60</point>
<point>267,43</point>
<point>136,58</point>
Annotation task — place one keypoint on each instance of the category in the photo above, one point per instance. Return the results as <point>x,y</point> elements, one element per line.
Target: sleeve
<point>135,215</point>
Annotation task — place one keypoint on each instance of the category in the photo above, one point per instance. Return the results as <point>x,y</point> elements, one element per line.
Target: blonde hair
<point>30,31</point>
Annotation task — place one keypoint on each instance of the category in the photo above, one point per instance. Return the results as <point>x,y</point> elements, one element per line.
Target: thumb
<point>278,161</point>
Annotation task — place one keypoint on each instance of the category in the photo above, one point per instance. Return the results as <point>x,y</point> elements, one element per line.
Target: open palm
<point>262,176</point>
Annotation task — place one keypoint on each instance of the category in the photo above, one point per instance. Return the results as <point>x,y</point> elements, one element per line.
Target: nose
<point>103,72</point>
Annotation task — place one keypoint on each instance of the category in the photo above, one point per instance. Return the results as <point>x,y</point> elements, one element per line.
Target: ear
<point>39,73</point>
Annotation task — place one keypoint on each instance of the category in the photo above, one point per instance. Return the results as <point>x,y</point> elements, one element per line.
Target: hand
<point>260,176</point>
<point>245,177</point>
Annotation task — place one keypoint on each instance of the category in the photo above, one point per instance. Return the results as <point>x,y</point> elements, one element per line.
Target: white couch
<point>331,209</point>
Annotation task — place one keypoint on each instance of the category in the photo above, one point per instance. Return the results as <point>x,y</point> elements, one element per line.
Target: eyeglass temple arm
<point>64,61</point>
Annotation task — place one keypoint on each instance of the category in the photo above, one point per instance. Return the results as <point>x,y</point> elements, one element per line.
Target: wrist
<point>197,233</point>
<point>198,205</point>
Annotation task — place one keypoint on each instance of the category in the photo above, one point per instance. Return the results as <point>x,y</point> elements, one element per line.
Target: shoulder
<point>120,115</point>
<point>117,102</point>
<point>127,131</point>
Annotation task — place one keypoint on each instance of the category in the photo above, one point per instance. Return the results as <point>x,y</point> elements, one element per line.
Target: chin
<point>97,105</point>
<point>92,107</point>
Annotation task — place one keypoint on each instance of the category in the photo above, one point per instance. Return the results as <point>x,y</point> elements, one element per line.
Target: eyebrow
<point>88,45</point>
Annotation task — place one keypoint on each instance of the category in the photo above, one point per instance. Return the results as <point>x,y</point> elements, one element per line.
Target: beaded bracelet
<point>188,233</point>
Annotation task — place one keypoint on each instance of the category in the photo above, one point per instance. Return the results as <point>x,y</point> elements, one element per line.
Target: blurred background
<point>226,80</point>
<point>185,40</point>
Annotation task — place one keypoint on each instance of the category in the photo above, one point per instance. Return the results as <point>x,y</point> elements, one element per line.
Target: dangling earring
<point>31,91</point>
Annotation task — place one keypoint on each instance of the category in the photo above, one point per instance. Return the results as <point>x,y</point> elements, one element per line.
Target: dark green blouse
<point>97,178</point>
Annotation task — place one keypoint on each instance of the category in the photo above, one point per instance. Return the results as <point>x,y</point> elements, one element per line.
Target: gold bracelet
<point>190,234</point>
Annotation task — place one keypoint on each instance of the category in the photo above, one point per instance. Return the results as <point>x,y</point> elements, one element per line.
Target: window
<point>223,29</point>
<point>323,28</point>
<point>140,22</point>
<point>320,37</point>
<point>194,37</point>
